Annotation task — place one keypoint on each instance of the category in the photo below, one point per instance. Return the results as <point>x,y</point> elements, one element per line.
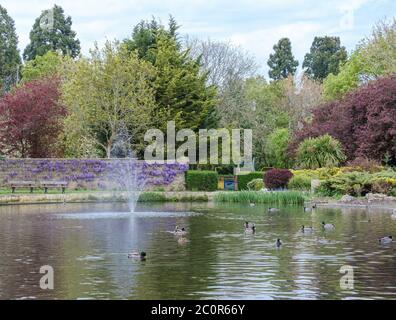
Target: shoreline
<point>181,196</point>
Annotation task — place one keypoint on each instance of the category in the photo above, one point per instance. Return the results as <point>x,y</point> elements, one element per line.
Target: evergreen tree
<point>52,32</point>
<point>282,62</point>
<point>325,57</point>
<point>9,54</point>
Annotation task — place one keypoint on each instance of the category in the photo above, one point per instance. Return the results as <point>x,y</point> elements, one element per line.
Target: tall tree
<point>282,62</point>
<point>107,95</point>
<point>9,54</point>
<point>325,57</point>
<point>52,32</point>
<point>31,119</point>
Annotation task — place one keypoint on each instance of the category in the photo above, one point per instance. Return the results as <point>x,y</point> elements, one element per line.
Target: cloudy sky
<point>256,25</point>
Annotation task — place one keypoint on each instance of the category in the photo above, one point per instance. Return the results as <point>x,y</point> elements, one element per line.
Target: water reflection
<point>88,247</point>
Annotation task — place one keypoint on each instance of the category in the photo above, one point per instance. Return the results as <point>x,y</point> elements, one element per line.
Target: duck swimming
<point>279,243</point>
<point>136,255</point>
<point>251,230</point>
<point>386,240</point>
<point>180,232</point>
<point>273,210</point>
<point>305,229</point>
<point>328,226</point>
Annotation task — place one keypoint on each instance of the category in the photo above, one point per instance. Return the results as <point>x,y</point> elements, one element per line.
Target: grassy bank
<point>279,198</point>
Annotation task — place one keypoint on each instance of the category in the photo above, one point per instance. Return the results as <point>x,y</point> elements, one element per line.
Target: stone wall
<point>95,174</point>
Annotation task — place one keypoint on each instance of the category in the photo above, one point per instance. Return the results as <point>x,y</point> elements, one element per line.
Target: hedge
<point>243,180</point>
<point>202,180</point>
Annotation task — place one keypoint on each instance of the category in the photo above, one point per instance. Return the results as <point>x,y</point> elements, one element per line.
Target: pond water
<point>87,245</point>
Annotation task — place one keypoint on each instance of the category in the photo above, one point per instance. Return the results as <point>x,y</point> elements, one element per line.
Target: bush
<point>256,185</point>
<point>278,198</point>
<point>244,179</point>
<point>277,178</point>
<point>365,164</point>
<point>300,182</point>
<point>276,149</point>
<point>324,151</point>
<point>202,180</point>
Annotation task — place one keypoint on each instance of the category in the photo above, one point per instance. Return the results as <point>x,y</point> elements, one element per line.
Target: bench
<point>54,185</point>
<point>41,184</point>
<point>23,184</point>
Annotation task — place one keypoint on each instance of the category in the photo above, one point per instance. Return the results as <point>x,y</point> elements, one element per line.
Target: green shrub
<point>300,182</point>
<point>256,185</point>
<point>202,180</point>
<point>243,180</point>
<point>152,197</point>
<point>279,198</point>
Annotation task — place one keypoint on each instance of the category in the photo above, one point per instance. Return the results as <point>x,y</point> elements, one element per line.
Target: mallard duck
<point>137,255</point>
<point>272,210</point>
<point>328,226</point>
<point>251,230</point>
<point>305,229</point>
<point>279,243</point>
<point>386,240</point>
<point>248,225</point>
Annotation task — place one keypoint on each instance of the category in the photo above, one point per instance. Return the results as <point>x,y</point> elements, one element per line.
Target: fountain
<point>126,173</point>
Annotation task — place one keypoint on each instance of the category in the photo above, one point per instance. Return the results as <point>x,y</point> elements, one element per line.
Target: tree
<point>300,96</point>
<point>325,57</point>
<point>52,32</point>
<point>276,149</point>
<point>42,66</point>
<point>281,62</point>
<point>323,151</point>
<point>364,121</point>
<point>373,58</point>
<point>9,53</point>
<point>31,119</point>
<point>107,95</point>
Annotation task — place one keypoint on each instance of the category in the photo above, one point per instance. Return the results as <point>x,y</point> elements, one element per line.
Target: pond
<point>88,244</point>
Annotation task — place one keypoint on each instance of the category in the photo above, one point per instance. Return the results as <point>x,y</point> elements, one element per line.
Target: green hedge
<point>202,180</point>
<point>243,180</point>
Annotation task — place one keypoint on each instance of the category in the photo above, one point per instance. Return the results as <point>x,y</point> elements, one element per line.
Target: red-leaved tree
<point>30,119</point>
<point>364,121</point>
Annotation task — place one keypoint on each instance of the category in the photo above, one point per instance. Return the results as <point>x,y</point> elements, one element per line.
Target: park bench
<point>41,184</point>
<point>53,185</point>
<point>22,184</point>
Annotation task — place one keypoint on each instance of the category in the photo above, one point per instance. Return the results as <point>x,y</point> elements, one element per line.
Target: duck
<point>251,230</point>
<point>279,243</point>
<point>305,229</point>
<point>136,255</point>
<point>273,210</point>
<point>248,225</point>
<point>252,205</point>
<point>180,232</point>
<point>386,240</point>
<point>328,226</point>
<point>307,209</point>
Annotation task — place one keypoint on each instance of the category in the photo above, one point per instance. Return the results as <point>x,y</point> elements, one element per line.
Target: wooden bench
<point>53,185</point>
<point>23,184</point>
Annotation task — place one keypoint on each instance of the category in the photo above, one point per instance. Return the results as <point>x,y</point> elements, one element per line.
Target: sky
<point>255,25</point>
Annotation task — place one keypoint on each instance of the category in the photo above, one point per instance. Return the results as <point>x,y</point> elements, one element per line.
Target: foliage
<point>282,62</point>
<point>374,57</point>
<point>107,96</point>
<point>9,53</point>
<point>300,182</point>
<point>202,180</point>
<point>277,178</point>
<point>364,121</point>
<point>277,198</point>
<point>276,149</point>
<point>31,119</point>
<point>256,185</point>
<point>365,164</point>
<point>42,66</point>
<point>325,57</point>
<point>320,152</point>
<point>56,36</point>
<point>244,179</point>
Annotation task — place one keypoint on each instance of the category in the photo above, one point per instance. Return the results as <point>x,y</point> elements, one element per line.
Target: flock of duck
<point>250,228</point>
